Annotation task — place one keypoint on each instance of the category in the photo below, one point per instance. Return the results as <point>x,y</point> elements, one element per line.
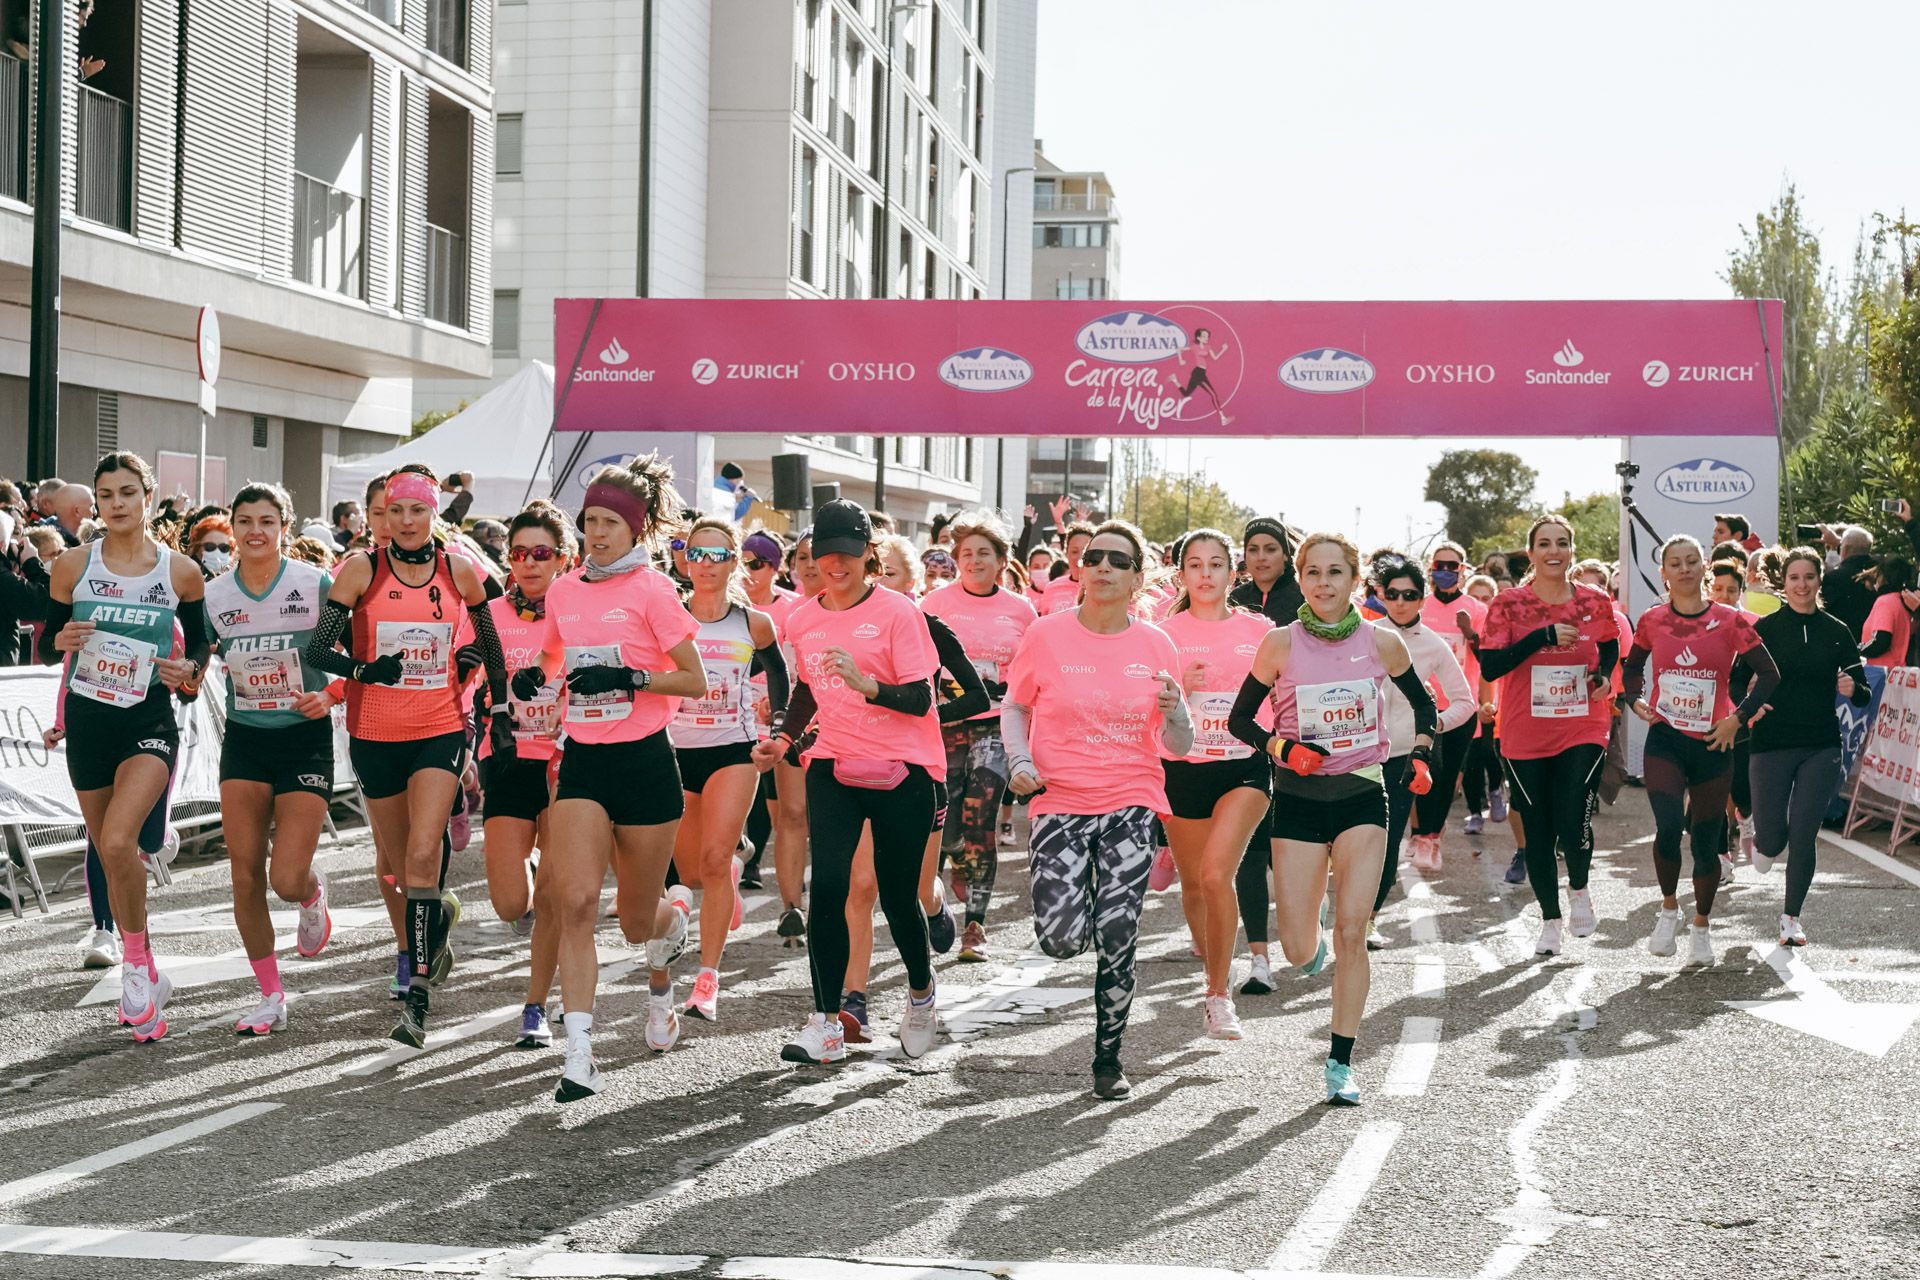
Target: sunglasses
<point>1409,595</point>
<point>709,555</point>
<point>1446,564</point>
<point>540,555</point>
<point>216,546</point>
<point>756,564</point>
<point>1121,560</point>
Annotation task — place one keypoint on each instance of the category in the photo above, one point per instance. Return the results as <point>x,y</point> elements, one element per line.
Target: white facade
<point>307,168</point>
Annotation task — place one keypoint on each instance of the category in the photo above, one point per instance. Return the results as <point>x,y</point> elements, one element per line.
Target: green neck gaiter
<point>1329,631</point>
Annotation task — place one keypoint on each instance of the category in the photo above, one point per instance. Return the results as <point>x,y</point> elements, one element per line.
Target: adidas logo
<point>295,594</point>
<point>1685,657</point>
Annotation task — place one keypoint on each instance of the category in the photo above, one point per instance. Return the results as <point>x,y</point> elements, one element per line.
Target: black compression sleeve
<point>1881,642</point>
<point>1240,721</point>
<point>973,697</point>
<point>1609,658</point>
<point>799,713</point>
<point>491,586</point>
<point>774,663</point>
<point>59,614</point>
<point>491,655</point>
<point>1426,716</point>
<point>1495,663</point>
<point>1766,678</point>
<point>915,699</point>
<point>1634,677</point>
<point>196,636</point>
<point>327,633</point>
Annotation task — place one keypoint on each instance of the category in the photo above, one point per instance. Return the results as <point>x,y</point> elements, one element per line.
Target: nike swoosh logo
<point>1358,657</point>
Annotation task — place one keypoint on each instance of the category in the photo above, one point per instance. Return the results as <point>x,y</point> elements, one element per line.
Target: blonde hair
<point>893,544</point>
<point>1348,552</point>
<point>729,532</point>
<point>1482,580</point>
<point>980,524</point>
<point>311,551</point>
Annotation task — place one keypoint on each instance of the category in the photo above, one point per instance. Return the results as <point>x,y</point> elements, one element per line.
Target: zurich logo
<point>1327,371</point>
<point>613,353</point>
<point>1704,481</point>
<point>1130,337</point>
<point>985,369</point>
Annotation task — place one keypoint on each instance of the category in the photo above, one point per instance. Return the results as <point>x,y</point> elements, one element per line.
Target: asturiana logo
<point>985,369</point>
<point>1704,481</point>
<point>1130,337</point>
<point>1326,371</point>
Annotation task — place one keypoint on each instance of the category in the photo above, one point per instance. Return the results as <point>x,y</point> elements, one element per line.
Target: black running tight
<point>1553,795</point>
<point>1482,772</point>
<point>1688,784</point>
<point>901,819</point>
<point>1791,790</point>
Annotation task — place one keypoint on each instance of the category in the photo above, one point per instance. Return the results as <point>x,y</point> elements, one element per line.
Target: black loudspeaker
<point>825,493</point>
<point>791,480</point>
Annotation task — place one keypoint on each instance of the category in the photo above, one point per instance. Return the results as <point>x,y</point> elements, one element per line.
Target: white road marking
<point>1429,977</point>
<point>1319,1226</point>
<point>1420,920</point>
<point>37,1185</point>
<point>1872,857</point>
<point>1816,1009</point>
<point>1413,1058</point>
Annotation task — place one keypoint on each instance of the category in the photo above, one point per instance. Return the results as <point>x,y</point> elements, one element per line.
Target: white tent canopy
<point>501,438</point>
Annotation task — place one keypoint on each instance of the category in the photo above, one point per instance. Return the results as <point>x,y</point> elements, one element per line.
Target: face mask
<point>215,561</point>
<point>1445,579</point>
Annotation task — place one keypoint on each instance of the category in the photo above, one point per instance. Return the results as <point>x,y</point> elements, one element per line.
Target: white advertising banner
<point>1682,483</point>
<point>1890,761</point>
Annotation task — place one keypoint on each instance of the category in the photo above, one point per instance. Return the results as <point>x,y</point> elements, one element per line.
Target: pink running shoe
<point>1164,874</point>
<point>739,907</point>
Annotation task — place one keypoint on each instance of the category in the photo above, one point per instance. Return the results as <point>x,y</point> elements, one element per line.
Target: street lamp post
<point>1006,185</point>
<point>886,222</point>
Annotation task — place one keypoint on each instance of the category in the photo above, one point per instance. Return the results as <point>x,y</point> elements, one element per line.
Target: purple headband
<point>621,503</point>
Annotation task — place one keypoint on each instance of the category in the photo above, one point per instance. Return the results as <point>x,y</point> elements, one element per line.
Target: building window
<point>508,135</point>
<point>106,422</point>
<point>803,268</point>
<point>1070,235</point>
<point>506,322</point>
<point>259,430</point>
<point>1079,288</point>
<point>809,61</point>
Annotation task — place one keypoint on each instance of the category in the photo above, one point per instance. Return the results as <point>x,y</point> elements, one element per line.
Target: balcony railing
<point>447,30</point>
<point>105,160</point>
<point>13,127</point>
<point>1060,202</point>
<point>446,276</point>
<point>388,11</point>
<point>329,237</point>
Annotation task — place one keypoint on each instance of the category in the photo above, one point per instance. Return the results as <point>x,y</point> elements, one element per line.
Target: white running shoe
<point>1666,926</point>
<point>1580,918</point>
<point>103,950</point>
<point>1746,837</point>
<point>917,1025</point>
<point>820,1041</point>
<point>581,1078</point>
<point>1791,934</point>
<point>1762,864</point>
<point>662,952</point>
<point>143,1003</point>
<point>1222,1022</point>
<point>663,1022</point>
<point>268,1016</point>
<point>1549,944</point>
<point>1259,978</point>
<point>1700,944</point>
<point>1726,868</point>
<point>316,922</point>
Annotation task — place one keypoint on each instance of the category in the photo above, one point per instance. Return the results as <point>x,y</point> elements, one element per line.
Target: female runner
<point>1326,672</point>
<point>791,837</point>
<point>112,605</point>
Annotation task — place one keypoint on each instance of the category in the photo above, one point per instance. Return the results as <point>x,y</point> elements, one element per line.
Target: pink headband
<point>621,503</point>
<point>412,486</point>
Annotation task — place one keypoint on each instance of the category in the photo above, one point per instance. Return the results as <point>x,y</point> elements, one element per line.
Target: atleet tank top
<point>133,618</point>
<point>1329,697</point>
<point>727,714</point>
<point>261,637</point>
<point>419,624</point>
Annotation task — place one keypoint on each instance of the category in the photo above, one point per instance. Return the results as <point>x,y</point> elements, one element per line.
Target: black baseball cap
<point>841,528</point>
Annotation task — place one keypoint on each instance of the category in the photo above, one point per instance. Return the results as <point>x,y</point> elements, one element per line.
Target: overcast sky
<point>1261,149</point>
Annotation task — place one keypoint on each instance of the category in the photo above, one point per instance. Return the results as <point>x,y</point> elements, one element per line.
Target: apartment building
<point>318,171</point>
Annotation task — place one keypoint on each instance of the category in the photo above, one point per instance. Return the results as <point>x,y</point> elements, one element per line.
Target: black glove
<point>384,669</point>
<point>500,737</point>
<point>592,680</point>
<point>995,690</point>
<point>527,683</point>
<point>466,661</point>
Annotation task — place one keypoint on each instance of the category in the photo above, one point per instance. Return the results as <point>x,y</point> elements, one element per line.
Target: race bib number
<point>1457,643</point>
<point>596,708</point>
<point>539,717</point>
<point>1341,716</point>
<point>1211,739</point>
<point>1686,701</point>
<point>423,649</point>
<point>720,709</point>
<point>265,679</point>
<point>115,670</point>
<point>1559,693</point>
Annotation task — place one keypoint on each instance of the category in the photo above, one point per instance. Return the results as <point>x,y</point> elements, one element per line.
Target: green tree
<point>1482,490</point>
<point>433,418</point>
<point>1159,504</point>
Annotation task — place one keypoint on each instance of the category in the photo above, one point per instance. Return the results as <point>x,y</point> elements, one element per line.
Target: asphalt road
<point>1605,1114</point>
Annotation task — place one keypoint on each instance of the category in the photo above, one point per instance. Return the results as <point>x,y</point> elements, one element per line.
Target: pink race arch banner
<point>1272,369</point>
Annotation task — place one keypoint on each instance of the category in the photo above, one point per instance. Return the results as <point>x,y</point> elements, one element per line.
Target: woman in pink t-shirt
<point>1218,794</point>
<point>1889,624</point>
<point>627,645</point>
<point>1092,708</point>
<point>1327,674</point>
<point>790,836</point>
<point>864,666</point>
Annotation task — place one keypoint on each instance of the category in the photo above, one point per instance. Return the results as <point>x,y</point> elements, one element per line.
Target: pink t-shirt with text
<point>523,641</point>
<point>988,628</point>
<point>639,614</point>
<point>1228,647</point>
<point>889,640</point>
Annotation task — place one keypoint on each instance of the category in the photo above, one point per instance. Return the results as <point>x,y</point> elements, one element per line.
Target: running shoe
<point>460,831</point>
<point>442,963</point>
<point>1726,868</point>
<point>1791,934</point>
<point>1517,869</point>
<point>1700,944</point>
<point>163,856</point>
<point>411,1030</point>
<point>535,1031</point>
<point>316,922</point>
<point>1762,864</point>
<point>940,931</point>
<point>581,1078</point>
<point>1341,1090</point>
<point>1549,944</point>
<point>1497,805</point>
<point>523,926</point>
<point>739,904</point>
<point>268,1016</point>
<point>820,1041</point>
<point>1109,1081</point>
<point>973,943</point>
<point>402,980</point>
<point>1163,874</point>
<point>1746,838</point>
<point>792,928</point>
<point>853,1017</point>
<point>103,950</point>
<point>705,995</point>
<point>1006,833</point>
<point>1666,927</point>
<point>918,1024</point>
<point>1376,940</point>
<point>663,1022</point>
<point>1259,978</point>
<point>143,1002</point>
<point>1222,1022</point>
<point>663,951</point>
<point>1474,824</point>
<point>750,878</point>
<point>1581,920</point>
<point>1313,967</point>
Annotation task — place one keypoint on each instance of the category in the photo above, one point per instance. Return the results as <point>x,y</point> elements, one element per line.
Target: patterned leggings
<point>976,775</point>
<point>1089,882</point>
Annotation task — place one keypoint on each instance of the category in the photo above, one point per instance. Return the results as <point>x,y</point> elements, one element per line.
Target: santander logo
<point>1568,356</point>
<point>613,353</point>
<point>1686,657</point>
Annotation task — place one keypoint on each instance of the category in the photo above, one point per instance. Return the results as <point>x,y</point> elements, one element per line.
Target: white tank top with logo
<point>727,714</point>
<point>133,621</point>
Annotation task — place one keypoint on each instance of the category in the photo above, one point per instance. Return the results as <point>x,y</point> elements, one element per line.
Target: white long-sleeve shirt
<point>1440,672</point>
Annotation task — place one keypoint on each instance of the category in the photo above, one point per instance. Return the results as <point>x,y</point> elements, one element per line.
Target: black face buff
<point>423,555</point>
